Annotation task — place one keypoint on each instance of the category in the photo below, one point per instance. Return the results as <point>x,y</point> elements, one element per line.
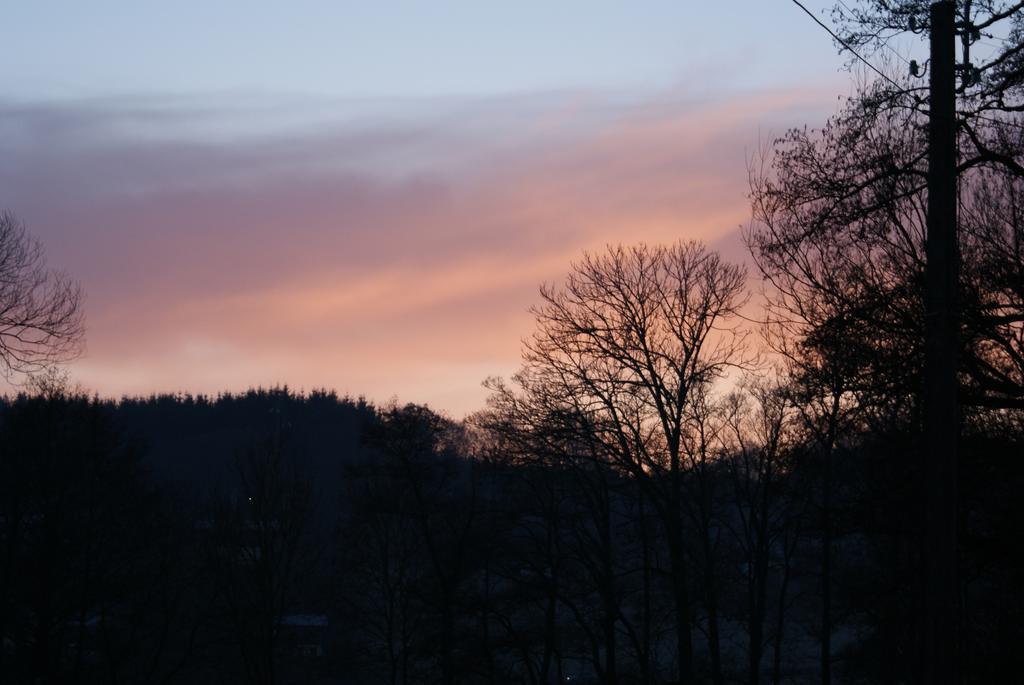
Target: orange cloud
<point>388,259</point>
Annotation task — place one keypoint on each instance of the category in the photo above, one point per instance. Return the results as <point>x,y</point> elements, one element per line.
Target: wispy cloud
<point>385,248</point>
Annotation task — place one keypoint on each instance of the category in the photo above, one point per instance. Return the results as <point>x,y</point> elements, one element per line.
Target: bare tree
<point>760,427</point>
<point>422,452</point>
<point>990,33</point>
<point>623,344</point>
<point>40,309</point>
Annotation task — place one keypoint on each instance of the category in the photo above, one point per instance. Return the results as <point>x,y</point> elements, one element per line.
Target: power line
<point>884,44</point>
<point>844,43</point>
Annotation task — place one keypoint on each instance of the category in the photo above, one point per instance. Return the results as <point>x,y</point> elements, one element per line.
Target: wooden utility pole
<point>941,415</point>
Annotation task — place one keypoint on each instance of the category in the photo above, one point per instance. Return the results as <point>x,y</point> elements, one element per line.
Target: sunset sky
<point>365,196</point>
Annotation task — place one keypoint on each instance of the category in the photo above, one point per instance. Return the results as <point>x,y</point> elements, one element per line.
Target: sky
<point>366,196</point>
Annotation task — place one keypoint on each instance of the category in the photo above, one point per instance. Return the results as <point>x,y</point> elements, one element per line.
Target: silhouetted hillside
<point>191,442</point>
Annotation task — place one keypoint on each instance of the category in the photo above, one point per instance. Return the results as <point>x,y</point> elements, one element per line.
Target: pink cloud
<point>381,259</point>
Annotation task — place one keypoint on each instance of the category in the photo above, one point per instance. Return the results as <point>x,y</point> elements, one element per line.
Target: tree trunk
<point>680,591</point>
<point>711,592</point>
<point>645,542</point>
<point>826,571</point>
<point>780,622</point>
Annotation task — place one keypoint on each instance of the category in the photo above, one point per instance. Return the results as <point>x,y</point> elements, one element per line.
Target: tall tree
<point>623,344</point>
<point>841,235</point>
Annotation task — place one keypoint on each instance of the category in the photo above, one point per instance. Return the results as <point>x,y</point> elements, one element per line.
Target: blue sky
<point>374,49</point>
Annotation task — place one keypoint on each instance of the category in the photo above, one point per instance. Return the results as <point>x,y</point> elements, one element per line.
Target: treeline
<point>486,552</point>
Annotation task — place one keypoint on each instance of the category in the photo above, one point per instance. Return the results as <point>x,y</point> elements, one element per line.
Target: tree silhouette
<point>40,309</point>
<point>619,351</point>
<point>260,551</point>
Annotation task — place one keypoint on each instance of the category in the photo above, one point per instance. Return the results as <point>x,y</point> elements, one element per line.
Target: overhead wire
<point>846,45</point>
<point>853,16</point>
